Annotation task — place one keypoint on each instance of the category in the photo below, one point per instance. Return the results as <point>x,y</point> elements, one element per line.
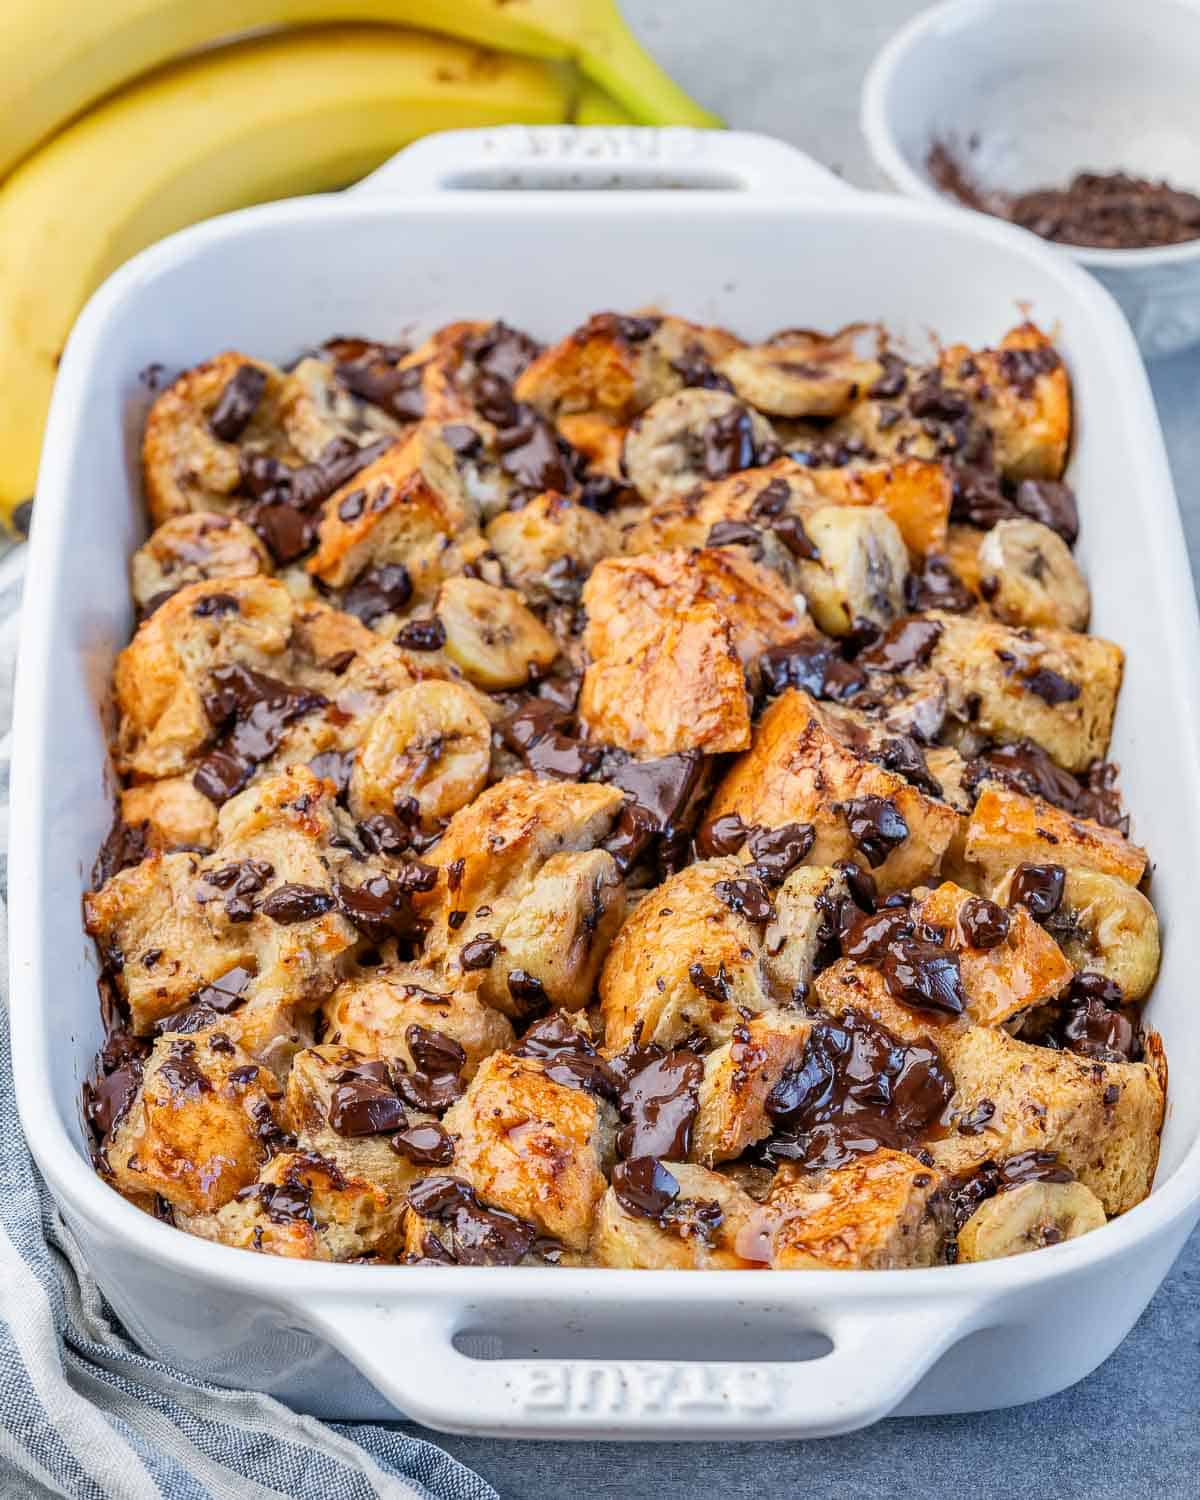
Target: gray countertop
<point>792,68</point>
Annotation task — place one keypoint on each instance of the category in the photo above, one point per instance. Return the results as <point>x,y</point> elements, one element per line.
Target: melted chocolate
<point>124,846</point>
<point>1051,687</point>
<point>876,827</point>
<point>856,1088</point>
<point>658,1103</point>
<point>907,643</point>
<point>663,799</point>
<point>748,898</point>
<point>381,908</point>
<point>644,1188</point>
<point>434,1082</point>
<point>722,836</point>
<point>422,635</point>
<point>937,586</point>
<point>426,1144</point>
<point>480,1236</point>
<point>237,403</point>
<point>1039,888</point>
<point>291,903</point>
<point>378,591</point>
<point>251,711</point>
<point>1052,502</point>
<point>569,1057</point>
<point>365,1102</point>
<point>984,924</point>
<point>776,852</point>
<point>813,664</point>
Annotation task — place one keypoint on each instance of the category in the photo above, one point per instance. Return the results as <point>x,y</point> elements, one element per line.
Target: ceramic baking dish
<point>763,239</point>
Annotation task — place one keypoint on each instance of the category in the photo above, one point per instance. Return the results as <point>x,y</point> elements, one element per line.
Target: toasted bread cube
<point>185,465</point>
<point>493,848</point>
<point>875,1213</point>
<point>197,1129</point>
<point>797,772</point>
<point>1051,686</point>
<point>312,1083</point>
<point>1102,1119</point>
<point>738,1077</point>
<point>406,507</point>
<point>684,961</point>
<point>533,1147</point>
<point>550,532</point>
<point>678,685</point>
<point>191,548</point>
<point>305,1207</point>
<point>626,596</point>
<point>1006,829</point>
<point>173,812</point>
<point>682,1241</point>
<point>1022,393</point>
<point>1027,968</point>
<point>161,677</point>
<point>915,493</point>
<point>847,985</point>
<point>372,1012</point>
<point>560,932</point>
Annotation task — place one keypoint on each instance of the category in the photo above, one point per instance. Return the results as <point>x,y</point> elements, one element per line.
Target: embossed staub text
<point>591,1389</point>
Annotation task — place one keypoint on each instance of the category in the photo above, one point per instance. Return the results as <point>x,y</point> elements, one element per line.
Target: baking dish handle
<point>876,1355</point>
<point>572,157</point>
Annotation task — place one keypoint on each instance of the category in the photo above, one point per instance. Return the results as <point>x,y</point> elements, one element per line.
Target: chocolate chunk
<point>1093,1022</point>
<point>529,453</point>
<point>1052,502</point>
<point>180,1071</point>
<point>378,591</point>
<point>253,710</point>
<point>728,445</point>
<point>893,380</point>
<point>1022,367</point>
<point>380,908</point>
<point>237,403</point>
<point>569,1057</point>
<point>857,1087</point>
<point>124,846</point>
<point>643,1187</point>
<point>663,801</point>
<point>984,924</point>
<point>526,991</point>
<point>696,372</point>
<point>716,986</point>
<point>480,1236</point>
<point>422,635</point>
<point>108,1099</point>
<point>721,836</point>
<point>813,664</point>
<point>382,833</point>
<point>426,1144</point>
<point>876,827</point>
<point>1051,687</point>
<point>937,586</point>
<point>658,1102</point>
<point>633,330</point>
<point>435,1081</point>
<point>907,643</point>
<point>930,398</point>
<point>351,506</point>
<point>365,1102</point>
<point>777,851</point>
<point>286,532</point>
<point>790,531</point>
<point>433,1051</point>
<point>215,604</point>
<point>227,992</point>
<point>632,835</point>
<point>735,534</point>
<point>905,757</point>
<point>241,882</point>
<point>480,953</point>
<point>291,903</point>
<point>748,897</point>
<point>867,937</point>
<point>924,975</point>
<point>1039,888</point>
<point>335,766</point>
<point>397,392</point>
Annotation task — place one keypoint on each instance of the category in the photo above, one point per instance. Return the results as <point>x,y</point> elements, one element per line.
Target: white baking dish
<point>582,1352</point>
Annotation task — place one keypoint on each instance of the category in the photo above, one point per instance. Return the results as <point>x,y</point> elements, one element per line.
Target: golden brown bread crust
<point>797,772</point>
<point>533,1147</point>
<point>631,1242</point>
<point>738,1077</point>
<point>1007,829</point>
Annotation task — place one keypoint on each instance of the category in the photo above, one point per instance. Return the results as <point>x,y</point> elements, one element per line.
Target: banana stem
<point>617,61</point>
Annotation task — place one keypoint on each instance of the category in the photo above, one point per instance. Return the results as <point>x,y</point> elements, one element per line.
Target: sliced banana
<point>801,374</point>
<point>693,437</point>
<point>1028,577</point>
<point>491,635</point>
<point>1105,926</point>
<point>191,547</point>
<point>1029,1217</point>
<point>858,576</point>
<point>430,741</point>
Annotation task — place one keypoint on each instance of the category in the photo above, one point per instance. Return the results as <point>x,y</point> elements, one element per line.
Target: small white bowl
<point>1045,89</point>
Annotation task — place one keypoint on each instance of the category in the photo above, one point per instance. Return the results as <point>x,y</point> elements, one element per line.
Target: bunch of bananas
<point>94,176</point>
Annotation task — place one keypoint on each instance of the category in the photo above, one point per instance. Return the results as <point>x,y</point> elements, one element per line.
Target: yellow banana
<point>594,107</point>
<point>59,56</point>
<point>302,112</point>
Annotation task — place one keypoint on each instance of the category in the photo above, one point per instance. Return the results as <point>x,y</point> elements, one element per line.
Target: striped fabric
<point>82,1413</point>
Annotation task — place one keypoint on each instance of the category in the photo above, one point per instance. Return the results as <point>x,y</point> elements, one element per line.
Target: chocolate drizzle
<point>250,712</point>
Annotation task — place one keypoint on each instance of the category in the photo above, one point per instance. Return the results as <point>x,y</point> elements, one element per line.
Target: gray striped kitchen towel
<point>82,1412</point>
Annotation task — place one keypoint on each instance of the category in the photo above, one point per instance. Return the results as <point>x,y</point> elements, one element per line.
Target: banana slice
<point>692,437</point>
<point>801,374</point>
<point>491,635</point>
<point>858,576</point>
<point>192,547</point>
<point>1029,1217</point>
<point>1106,926</point>
<point>431,741</point>
<point>1028,577</point>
